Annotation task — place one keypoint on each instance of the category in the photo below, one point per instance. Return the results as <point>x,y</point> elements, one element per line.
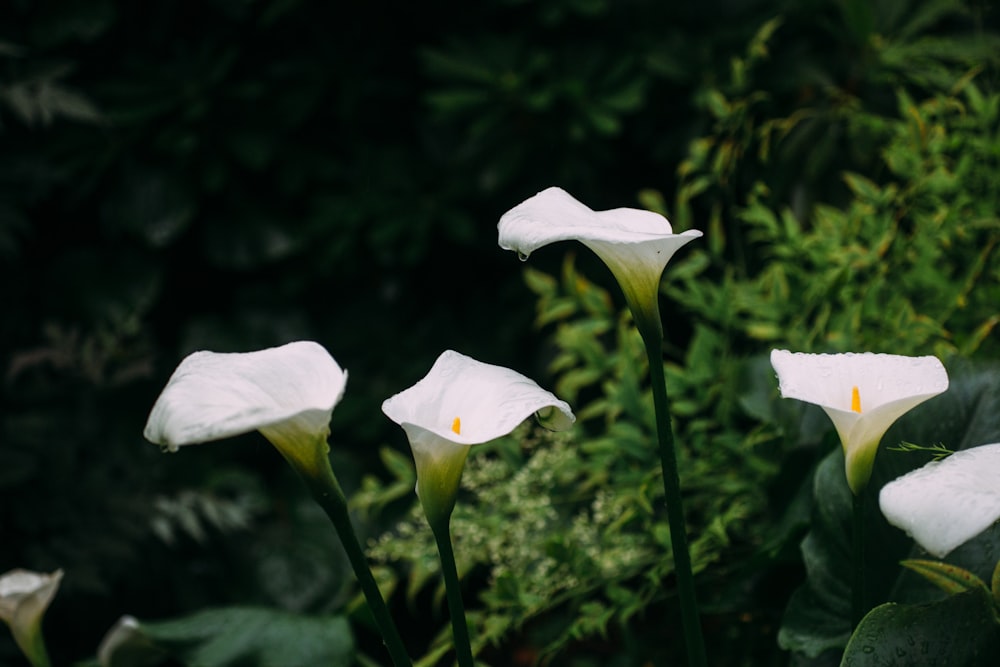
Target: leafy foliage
<point>281,170</point>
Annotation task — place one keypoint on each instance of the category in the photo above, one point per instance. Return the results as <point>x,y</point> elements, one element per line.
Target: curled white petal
<point>635,244</point>
<point>946,503</point>
<point>218,395</point>
<point>555,215</point>
<point>488,401</point>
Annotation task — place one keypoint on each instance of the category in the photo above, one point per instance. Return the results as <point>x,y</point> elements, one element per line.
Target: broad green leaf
<point>958,630</point>
<point>238,636</point>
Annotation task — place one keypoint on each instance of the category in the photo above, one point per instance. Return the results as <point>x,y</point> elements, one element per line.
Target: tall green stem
<point>459,626</point>
<point>326,491</point>
<point>652,337</point>
<point>859,594</point>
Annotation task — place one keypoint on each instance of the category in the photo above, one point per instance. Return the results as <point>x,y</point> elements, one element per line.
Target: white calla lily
<point>946,503</point>
<point>635,244</point>
<point>863,394</point>
<point>287,393</point>
<point>24,597</point>
<point>463,402</point>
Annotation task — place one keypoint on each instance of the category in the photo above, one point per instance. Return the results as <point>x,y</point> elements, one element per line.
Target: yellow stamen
<point>855,400</point>
<point>456,425</point>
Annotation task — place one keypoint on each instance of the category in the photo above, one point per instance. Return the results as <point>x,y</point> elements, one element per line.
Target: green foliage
<point>907,265</point>
<point>283,170</point>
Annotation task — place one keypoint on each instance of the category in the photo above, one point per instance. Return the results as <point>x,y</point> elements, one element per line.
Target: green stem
<point>35,650</point>
<point>675,510</point>
<point>459,626</point>
<point>859,602</point>
<point>326,491</point>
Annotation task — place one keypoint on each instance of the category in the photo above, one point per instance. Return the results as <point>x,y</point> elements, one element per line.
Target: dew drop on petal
<point>523,256</point>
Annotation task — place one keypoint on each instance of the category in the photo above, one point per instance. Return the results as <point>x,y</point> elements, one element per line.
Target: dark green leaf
<point>959,630</point>
<point>239,636</point>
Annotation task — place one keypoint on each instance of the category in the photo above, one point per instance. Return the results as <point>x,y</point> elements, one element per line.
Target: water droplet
<point>868,648</point>
<point>523,256</point>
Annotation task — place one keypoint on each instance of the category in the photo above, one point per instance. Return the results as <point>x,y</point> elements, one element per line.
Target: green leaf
<point>959,630</point>
<point>949,578</point>
<point>241,636</point>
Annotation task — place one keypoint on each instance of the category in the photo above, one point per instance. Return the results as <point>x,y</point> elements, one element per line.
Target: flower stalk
<point>635,245</point>
<point>453,589</point>
<point>322,483</point>
<point>859,586</point>
<point>690,618</point>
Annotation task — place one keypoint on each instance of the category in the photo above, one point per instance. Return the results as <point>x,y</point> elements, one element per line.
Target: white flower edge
<point>555,215</point>
<point>946,503</point>
<point>882,379</point>
<point>489,402</point>
<point>214,395</point>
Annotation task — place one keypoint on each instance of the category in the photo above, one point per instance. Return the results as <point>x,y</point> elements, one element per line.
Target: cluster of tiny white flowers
<point>507,514</point>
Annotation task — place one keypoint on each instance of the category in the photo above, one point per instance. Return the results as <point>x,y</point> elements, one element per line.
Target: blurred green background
<point>232,175</point>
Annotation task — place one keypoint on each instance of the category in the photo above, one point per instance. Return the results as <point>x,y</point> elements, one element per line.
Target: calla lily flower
<point>946,503</point>
<point>24,597</point>
<point>863,394</point>
<point>459,403</point>
<point>287,393</point>
<point>635,244</point>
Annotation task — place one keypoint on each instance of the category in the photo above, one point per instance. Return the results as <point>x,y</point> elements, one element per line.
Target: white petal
<point>489,401</point>
<point>889,385</point>
<point>881,379</point>
<point>218,395</point>
<point>946,503</point>
<point>554,215</point>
